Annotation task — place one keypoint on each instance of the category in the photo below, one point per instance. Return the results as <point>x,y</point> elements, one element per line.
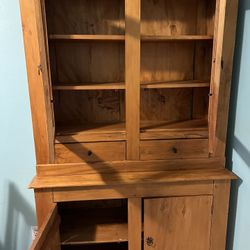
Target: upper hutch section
<point>132,80</point>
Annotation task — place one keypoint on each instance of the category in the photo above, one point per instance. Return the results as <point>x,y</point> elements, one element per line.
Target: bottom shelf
<point>105,246</point>
<point>197,128</point>
<point>94,222</point>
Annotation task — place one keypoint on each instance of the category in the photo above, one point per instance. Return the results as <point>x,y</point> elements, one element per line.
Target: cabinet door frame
<point>37,61</point>
<point>221,75</point>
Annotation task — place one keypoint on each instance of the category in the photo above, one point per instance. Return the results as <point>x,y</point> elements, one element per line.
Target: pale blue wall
<point>239,135</point>
<point>17,159</point>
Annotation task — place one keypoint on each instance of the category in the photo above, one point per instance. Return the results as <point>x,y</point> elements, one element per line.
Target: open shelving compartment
<point>176,62</point>
<point>94,225</point>
<point>86,50</point>
<point>91,81</point>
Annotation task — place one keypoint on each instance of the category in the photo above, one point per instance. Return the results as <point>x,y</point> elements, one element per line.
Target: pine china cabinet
<point>129,103</point>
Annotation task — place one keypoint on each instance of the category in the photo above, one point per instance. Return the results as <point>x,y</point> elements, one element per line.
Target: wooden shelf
<point>76,37</point>
<point>103,246</point>
<point>91,132</point>
<point>176,84</point>
<point>175,38</point>
<point>174,130</point>
<point>94,226</point>
<point>144,38</point>
<point>121,85</point>
<point>90,86</point>
<point>117,131</point>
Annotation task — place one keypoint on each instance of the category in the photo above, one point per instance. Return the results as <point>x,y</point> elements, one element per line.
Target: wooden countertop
<point>130,178</point>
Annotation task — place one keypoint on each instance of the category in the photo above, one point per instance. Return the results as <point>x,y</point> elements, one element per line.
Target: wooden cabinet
<point>129,103</point>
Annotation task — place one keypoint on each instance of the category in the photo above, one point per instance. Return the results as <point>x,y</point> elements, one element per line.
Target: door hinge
<point>222,64</point>
<point>39,69</point>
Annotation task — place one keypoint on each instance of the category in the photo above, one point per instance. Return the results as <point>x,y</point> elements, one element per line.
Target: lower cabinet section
<point>173,222</point>
<point>93,222</point>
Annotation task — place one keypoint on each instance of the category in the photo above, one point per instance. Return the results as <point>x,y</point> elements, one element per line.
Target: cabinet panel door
<point>48,237</point>
<point>177,223</point>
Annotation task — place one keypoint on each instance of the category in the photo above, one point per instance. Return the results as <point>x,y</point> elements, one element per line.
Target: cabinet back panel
<point>86,62</point>
<point>182,17</point>
<point>166,104</point>
<point>85,17</point>
<point>79,107</point>
<point>175,61</point>
<point>200,103</point>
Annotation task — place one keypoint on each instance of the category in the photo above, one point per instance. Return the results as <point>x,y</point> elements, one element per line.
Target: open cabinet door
<point>48,237</point>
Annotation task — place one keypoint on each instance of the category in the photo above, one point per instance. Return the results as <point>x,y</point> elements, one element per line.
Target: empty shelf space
<point>94,224</point>
<point>103,246</point>
<point>92,231</point>
<point>156,38</point>
<point>77,37</point>
<point>90,86</point>
<point>91,132</point>
<point>175,84</point>
<point>174,130</point>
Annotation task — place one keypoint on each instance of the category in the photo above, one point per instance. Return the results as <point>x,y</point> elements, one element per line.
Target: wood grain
<point>133,191</point>
<point>89,152</point>
<point>178,222</point>
<point>225,78</point>
<point>127,166</point>
<point>76,108</point>
<point>130,178</point>
<point>132,72</point>
<point>87,37</point>
<point>39,88</point>
<point>83,226</point>
<point>174,130</point>
<point>172,149</point>
<point>96,132</point>
<point>220,214</point>
<point>134,223</point>
<point>48,234</point>
<point>170,18</point>
<point>86,17</point>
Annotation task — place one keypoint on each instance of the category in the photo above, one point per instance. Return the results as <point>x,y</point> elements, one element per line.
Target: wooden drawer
<point>89,152</point>
<point>170,149</point>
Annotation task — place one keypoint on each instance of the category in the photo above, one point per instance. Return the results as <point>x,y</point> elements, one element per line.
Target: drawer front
<point>89,152</point>
<point>173,149</point>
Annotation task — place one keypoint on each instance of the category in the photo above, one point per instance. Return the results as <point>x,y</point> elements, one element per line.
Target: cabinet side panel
<point>226,76</point>
<point>220,215</point>
<point>224,41</point>
<point>38,80</point>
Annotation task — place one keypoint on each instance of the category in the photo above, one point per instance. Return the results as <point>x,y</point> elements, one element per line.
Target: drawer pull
<point>175,150</point>
<point>90,153</point>
<point>150,241</point>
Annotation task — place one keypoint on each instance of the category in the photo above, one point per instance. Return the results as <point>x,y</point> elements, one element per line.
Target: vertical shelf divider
<point>132,76</point>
